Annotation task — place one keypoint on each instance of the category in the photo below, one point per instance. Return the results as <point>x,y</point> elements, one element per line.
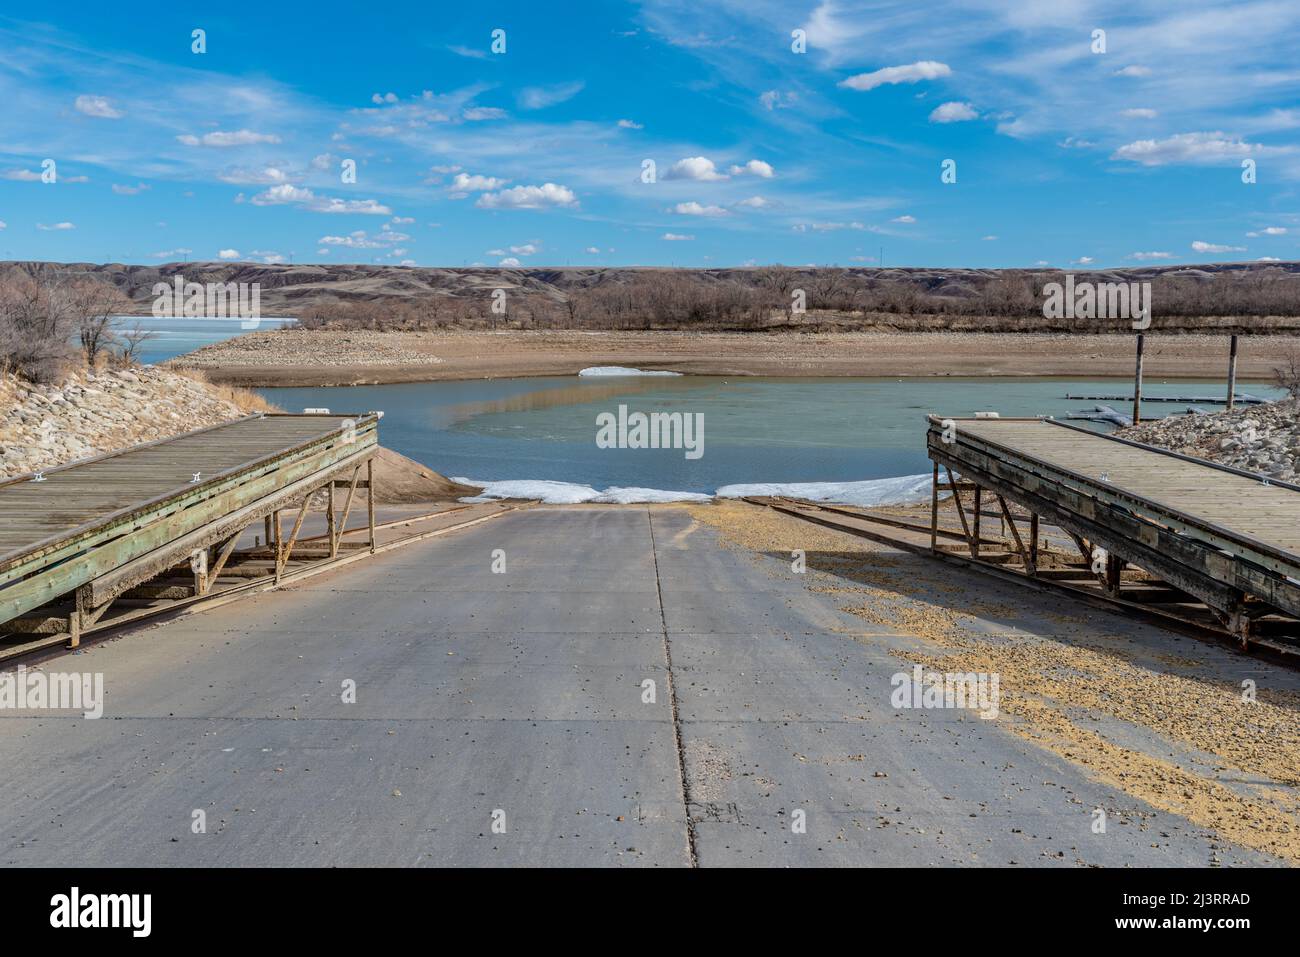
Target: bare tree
<point>131,340</point>
<point>35,327</point>
<point>1288,376</point>
<point>93,306</point>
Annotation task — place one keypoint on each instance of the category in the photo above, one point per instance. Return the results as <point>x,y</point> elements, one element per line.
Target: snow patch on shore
<point>596,371</point>
<point>569,493</point>
<point>902,490</point>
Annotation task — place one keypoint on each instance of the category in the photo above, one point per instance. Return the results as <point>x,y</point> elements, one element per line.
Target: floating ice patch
<point>901,490</point>
<point>621,370</point>
<point>568,493</point>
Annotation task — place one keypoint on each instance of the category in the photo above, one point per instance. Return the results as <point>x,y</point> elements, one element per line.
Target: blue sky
<point>1064,156</point>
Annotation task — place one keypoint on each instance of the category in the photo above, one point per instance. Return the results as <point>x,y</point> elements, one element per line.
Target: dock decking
<point>1228,537</point>
<point>103,525</point>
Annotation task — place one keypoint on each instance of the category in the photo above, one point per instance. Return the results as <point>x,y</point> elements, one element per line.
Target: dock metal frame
<point>200,525</point>
<point>1237,577</point>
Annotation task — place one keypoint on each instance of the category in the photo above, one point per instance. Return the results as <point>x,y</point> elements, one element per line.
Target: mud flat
<point>296,357</point>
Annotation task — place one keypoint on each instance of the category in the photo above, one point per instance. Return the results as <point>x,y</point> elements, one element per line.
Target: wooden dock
<point>1229,538</point>
<point>76,538</point>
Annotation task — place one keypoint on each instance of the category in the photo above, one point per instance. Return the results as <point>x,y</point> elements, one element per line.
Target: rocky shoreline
<point>91,413</point>
<point>1262,438</point>
<point>317,347</point>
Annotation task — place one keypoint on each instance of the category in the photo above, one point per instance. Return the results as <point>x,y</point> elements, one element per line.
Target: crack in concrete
<point>672,698</point>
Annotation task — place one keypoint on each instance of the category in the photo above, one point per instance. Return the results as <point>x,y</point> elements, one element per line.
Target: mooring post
<point>975,522</point>
<point>1137,382</point>
<point>1232,373</point>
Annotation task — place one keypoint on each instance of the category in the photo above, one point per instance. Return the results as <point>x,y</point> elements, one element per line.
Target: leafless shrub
<point>1287,376</point>
<point>36,328</point>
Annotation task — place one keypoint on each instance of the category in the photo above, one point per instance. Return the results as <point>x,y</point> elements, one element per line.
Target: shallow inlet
<point>756,430</point>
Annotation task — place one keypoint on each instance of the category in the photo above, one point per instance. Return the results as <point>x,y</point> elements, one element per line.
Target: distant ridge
<point>290,289</point>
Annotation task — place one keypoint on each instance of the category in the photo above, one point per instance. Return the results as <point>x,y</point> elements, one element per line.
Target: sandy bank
<point>332,357</point>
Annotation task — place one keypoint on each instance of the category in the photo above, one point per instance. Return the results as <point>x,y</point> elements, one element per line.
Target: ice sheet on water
<point>569,493</point>
<point>621,370</point>
<point>901,490</point>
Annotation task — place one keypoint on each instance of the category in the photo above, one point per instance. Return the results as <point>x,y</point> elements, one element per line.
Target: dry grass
<point>246,399</point>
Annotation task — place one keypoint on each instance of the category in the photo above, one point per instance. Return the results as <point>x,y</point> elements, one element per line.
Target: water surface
<point>777,430</point>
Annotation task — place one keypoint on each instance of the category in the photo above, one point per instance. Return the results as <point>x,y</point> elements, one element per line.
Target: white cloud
<point>381,98</point>
<point>1154,255</point>
<point>472,183</point>
<point>694,167</point>
<point>529,197</point>
<point>510,262</point>
<point>903,219</point>
<point>755,202</point>
<point>123,190</point>
<point>265,176</point>
<point>695,209</point>
<point>988,239</point>
<point>629,125</point>
<point>754,168</point>
<point>910,73</point>
<point>230,138</point>
<point>1082,261</point>
<point>540,97</point>
<point>171,253</point>
<point>228,254</point>
<point>1140,113</point>
<point>360,239</point>
<point>778,99</point>
<point>1134,70</point>
<point>480,113</point>
<point>676,237</point>
<point>1268,259</point>
<point>1201,247</point>
<point>22,175</point>
<point>55,226</point>
<point>1269,231</point>
<point>1187,148</point>
<point>468,52</point>
<point>98,106</point>
<point>830,227</point>
<point>288,195</point>
<point>527,249</point>
<point>592,250</point>
<point>954,112</point>
<point>3,224</point>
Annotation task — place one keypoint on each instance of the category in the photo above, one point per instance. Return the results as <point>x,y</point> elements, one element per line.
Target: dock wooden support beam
<point>961,513</point>
<point>1033,541</point>
<point>370,501</point>
<point>934,510</point>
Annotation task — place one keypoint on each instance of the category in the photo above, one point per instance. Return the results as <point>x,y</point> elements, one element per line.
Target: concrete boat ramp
<point>505,718</point>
